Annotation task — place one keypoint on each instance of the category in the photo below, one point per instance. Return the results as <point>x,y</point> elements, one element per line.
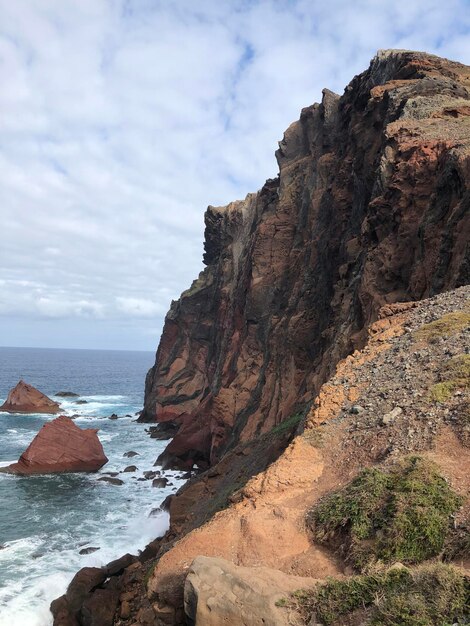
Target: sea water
<point>46,520</point>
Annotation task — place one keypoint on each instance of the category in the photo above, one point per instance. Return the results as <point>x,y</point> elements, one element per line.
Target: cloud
<point>140,307</point>
<point>123,120</point>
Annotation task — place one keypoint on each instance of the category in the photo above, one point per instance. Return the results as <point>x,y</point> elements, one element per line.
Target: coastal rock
<point>370,208</point>
<point>112,481</point>
<point>25,398</point>
<point>89,550</point>
<point>160,482</point>
<point>219,592</point>
<point>67,394</point>
<point>61,446</point>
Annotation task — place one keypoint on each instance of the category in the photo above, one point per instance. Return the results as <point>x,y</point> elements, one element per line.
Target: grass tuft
<point>288,425</point>
<point>454,375</point>
<point>445,326</point>
<point>432,594</point>
<point>385,516</point>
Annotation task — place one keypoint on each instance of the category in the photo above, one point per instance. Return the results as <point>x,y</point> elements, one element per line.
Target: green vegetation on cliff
<point>399,514</point>
<point>431,594</point>
<point>454,375</point>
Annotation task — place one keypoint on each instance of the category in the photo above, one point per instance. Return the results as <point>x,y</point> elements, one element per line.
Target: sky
<point>121,120</point>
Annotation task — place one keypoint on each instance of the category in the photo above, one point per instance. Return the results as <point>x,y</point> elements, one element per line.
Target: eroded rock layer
<point>371,206</point>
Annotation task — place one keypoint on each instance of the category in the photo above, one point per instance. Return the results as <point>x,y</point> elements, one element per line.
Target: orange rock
<point>61,446</point>
<point>27,399</point>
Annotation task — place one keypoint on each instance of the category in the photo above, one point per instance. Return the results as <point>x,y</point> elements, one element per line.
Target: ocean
<point>46,520</point>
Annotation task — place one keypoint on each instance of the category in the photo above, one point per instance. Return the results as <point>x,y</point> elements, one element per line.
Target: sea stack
<point>25,398</point>
<point>61,446</point>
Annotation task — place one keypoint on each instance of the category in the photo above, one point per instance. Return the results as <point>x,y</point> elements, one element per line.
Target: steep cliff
<point>371,206</point>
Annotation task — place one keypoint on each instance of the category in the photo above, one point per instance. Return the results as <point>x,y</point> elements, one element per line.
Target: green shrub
<point>397,515</point>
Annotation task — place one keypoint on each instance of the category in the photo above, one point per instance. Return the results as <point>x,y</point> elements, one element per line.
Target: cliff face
<point>371,206</point>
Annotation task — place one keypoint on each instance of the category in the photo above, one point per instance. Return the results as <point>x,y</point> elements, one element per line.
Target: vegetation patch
<point>434,594</point>
<point>445,326</point>
<point>287,426</point>
<point>454,375</point>
<point>401,514</point>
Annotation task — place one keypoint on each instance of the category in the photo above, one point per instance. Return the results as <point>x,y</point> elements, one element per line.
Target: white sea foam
<point>65,511</point>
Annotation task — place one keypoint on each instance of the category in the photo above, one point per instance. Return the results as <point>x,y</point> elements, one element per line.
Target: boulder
<point>67,394</point>
<point>25,398</point>
<point>219,592</point>
<point>160,482</point>
<point>61,446</point>
<point>111,481</point>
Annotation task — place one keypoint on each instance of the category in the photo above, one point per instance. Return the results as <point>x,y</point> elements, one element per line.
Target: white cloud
<point>140,307</point>
<point>121,121</point>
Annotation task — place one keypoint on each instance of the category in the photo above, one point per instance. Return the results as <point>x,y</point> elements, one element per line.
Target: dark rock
<point>67,394</point>
<point>111,481</point>
<point>113,416</point>
<point>149,475</point>
<point>61,613</point>
<point>163,431</point>
<point>119,565</point>
<point>99,608</point>
<point>155,512</point>
<point>130,454</point>
<point>83,583</point>
<point>159,482</point>
<point>131,468</point>
<point>150,550</point>
<point>81,401</point>
<point>89,550</point>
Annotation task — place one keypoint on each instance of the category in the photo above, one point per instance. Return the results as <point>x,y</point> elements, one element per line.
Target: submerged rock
<point>61,446</point>
<point>89,550</point>
<point>25,398</point>
<point>67,394</point>
<point>111,480</point>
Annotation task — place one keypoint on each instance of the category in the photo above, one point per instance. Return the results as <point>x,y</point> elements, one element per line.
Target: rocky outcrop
<point>27,399</point>
<point>61,446</point>
<point>216,590</point>
<point>371,207</point>
<point>263,521</point>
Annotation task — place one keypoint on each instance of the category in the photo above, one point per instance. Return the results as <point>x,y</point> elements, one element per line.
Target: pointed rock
<point>25,398</point>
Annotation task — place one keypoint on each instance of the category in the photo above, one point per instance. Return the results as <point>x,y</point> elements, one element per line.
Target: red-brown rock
<point>370,208</point>
<point>27,399</point>
<point>61,446</point>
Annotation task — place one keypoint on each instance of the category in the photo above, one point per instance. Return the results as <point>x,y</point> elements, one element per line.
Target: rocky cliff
<point>370,207</point>
<point>328,393</point>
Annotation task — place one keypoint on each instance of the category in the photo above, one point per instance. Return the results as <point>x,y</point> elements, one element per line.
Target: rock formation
<point>61,446</point>
<point>26,399</point>
<point>309,349</point>
<point>370,207</point>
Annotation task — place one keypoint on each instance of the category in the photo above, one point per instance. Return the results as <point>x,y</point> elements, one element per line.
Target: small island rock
<point>25,398</point>
<point>61,446</point>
